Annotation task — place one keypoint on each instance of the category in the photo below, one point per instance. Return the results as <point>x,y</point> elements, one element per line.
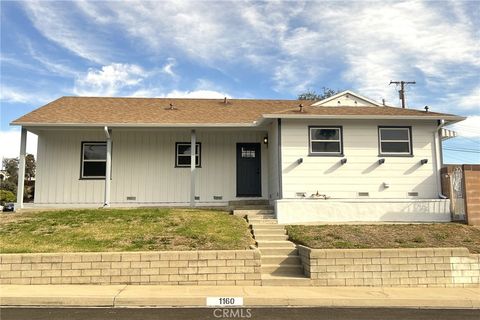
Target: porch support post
<point>193,149</point>
<point>21,168</point>
<point>108,169</point>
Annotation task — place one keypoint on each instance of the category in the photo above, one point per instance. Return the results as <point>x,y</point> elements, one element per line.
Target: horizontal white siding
<point>143,166</point>
<point>361,173</point>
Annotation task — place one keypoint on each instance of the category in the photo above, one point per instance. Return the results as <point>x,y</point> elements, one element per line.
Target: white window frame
<point>83,160</point>
<point>409,141</point>
<point>323,153</point>
<point>198,155</point>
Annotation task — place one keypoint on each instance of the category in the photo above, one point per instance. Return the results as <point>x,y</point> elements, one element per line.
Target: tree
<point>11,167</point>
<point>312,95</point>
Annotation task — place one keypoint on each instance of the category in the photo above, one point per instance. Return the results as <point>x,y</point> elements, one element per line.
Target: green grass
<point>122,230</point>
<point>387,236</point>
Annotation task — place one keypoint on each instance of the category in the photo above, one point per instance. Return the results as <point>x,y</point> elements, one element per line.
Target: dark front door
<point>249,175</point>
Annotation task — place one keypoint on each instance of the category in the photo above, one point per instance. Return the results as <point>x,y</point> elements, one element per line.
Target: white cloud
<point>16,95</point>
<point>168,67</point>
<point>10,142</point>
<point>57,22</point>
<point>110,80</point>
<point>198,94</point>
<point>468,127</point>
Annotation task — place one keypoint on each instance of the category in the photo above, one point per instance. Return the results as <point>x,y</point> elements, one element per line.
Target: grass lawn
<point>387,236</point>
<point>122,230</point>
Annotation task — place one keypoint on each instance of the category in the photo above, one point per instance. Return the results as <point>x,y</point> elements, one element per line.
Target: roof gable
<point>347,99</point>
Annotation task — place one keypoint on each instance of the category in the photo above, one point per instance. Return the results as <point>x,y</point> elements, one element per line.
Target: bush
<point>6,196</point>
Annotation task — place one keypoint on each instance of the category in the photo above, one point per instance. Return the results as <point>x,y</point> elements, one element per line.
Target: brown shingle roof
<point>92,110</point>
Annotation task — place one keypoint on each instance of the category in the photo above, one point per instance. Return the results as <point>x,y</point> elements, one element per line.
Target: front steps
<point>281,265</point>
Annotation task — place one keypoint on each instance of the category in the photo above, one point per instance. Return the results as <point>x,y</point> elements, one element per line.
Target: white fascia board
<point>361,117</point>
<point>319,103</point>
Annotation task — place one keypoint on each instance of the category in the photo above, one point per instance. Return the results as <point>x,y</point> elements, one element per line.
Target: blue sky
<point>243,50</point>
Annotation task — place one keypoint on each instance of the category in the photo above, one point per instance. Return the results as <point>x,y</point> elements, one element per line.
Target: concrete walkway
<point>195,296</point>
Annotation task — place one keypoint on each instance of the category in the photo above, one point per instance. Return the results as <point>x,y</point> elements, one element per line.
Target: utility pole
<point>401,92</point>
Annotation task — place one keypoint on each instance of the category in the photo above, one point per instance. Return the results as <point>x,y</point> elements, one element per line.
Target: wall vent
<point>413,194</point>
<point>131,198</point>
<point>363,194</point>
<point>197,197</point>
<point>217,197</point>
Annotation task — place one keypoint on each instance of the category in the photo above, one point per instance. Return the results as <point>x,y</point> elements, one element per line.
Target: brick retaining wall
<point>429,267</point>
<point>229,267</point>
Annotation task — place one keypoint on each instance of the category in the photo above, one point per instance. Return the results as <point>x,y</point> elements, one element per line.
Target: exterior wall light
<point>423,161</point>
<point>300,160</point>
<point>343,161</point>
<point>381,161</point>
<point>265,140</point>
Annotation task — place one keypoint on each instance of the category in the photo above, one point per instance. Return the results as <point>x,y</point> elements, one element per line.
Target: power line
<point>460,150</point>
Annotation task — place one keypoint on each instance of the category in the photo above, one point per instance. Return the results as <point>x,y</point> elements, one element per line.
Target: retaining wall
<point>229,267</point>
<point>429,267</point>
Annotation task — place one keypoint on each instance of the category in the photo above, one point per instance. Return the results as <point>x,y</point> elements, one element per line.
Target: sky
<point>242,49</point>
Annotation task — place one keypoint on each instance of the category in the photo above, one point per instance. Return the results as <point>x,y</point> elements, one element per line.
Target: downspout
<point>438,157</point>
<point>108,169</point>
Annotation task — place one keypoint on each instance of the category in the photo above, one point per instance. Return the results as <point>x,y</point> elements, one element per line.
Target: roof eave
<point>451,118</point>
<point>136,125</point>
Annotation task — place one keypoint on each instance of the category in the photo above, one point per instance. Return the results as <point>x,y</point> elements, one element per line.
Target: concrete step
<point>286,280</point>
<point>253,212</point>
<point>262,222</point>
<point>285,269</point>
<point>275,244</point>
<point>278,251</point>
<point>253,202</point>
<point>261,218</point>
<point>269,232</point>
<point>271,237</point>
<point>281,259</point>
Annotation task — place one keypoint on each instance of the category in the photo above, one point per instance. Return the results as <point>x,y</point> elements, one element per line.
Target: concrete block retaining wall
<point>429,267</point>
<point>229,267</point>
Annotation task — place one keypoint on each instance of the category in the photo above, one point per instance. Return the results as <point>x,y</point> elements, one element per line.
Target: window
<point>182,154</point>
<point>395,141</point>
<point>326,141</point>
<point>94,160</point>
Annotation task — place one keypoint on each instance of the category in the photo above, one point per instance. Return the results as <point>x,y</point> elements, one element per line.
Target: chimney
<point>225,100</point>
<point>301,107</point>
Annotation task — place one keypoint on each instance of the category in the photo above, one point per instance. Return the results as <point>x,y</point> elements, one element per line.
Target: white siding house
<point>346,158</point>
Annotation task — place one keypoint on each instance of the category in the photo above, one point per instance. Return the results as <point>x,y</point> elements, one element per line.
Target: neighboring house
<point>372,162</point>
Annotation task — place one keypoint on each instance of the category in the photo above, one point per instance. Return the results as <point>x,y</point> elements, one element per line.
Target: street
<point>236,313</point>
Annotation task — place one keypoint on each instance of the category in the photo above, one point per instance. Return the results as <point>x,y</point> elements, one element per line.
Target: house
<point>345,158</point>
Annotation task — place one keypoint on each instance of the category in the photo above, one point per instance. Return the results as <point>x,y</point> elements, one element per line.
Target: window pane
<point>94,169</point>
<point>325,147</point>
<point>324,134</point>
<point>94,151</point>
<point>394,134</point>
<point>184,149</point>
<point>395,147</point>
<point>183,161</point>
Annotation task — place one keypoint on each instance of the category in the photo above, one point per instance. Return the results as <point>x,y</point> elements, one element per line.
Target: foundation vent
<point>217,197</point>
<point>131,198</point>
<point>363,194</point>
<point>197,197</point>
<point>413,194</point>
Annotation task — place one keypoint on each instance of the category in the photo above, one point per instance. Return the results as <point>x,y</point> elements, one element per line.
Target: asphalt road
<point>240,313</point>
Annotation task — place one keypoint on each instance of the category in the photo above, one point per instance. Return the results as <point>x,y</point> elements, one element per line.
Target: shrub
<point>6,196</point>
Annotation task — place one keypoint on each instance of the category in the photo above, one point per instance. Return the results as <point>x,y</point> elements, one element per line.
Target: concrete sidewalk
<point>195,296</point>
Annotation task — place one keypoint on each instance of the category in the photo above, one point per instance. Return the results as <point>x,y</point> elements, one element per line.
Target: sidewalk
<point>195,296</point>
